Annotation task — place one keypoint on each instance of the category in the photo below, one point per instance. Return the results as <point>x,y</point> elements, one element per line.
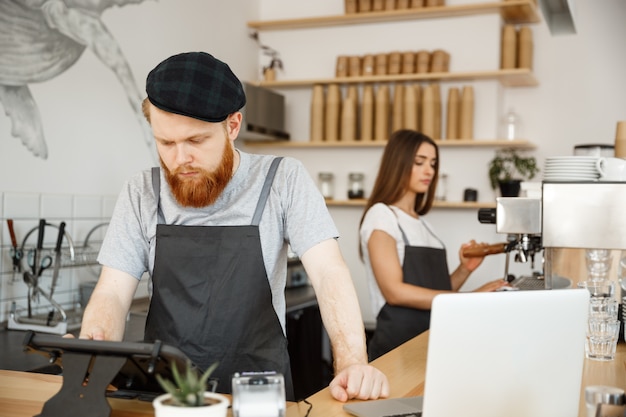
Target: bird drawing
<point>40,39</point>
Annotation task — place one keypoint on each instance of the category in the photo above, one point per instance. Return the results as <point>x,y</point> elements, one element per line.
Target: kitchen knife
<point>30,278</point>
<point>38,249</point>
<point>57,258</point>
<point>16,253</point>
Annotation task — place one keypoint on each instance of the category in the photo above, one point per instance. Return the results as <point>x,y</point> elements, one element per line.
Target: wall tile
<point>21,205</point>
<point>56,207</point>
<point>82,214</point>
<point>88,207</point>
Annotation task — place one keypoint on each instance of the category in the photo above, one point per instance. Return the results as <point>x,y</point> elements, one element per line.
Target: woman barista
<point>405,261</point>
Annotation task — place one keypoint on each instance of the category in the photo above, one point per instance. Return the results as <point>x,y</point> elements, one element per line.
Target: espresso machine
<point>589,215</point>
<point>520,219</point>
<point>577,215</point>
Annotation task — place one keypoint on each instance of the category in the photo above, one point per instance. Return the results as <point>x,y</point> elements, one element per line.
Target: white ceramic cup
<point>611,169</point>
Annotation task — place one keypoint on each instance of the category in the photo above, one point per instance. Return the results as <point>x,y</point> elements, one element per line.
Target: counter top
<point>23,394</point>
<point>405,368</point>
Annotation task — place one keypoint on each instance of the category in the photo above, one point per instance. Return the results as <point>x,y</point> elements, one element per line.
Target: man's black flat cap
<point>197,85</point>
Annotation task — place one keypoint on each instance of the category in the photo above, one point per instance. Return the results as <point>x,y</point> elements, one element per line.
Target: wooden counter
<point>23,394</point>
<point>406,366</point>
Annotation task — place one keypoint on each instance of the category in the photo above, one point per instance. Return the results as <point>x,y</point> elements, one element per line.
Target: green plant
<point>187,390</point>
<point>509,165</point>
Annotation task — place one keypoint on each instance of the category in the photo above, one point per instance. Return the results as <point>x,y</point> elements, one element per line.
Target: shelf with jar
<point>485,143</point>
<point>512,77</point>
<point>360,202</point>
<point>512,12</point>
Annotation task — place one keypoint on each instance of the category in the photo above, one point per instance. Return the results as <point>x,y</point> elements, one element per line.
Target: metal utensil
<point>31,278</point>
<point>16,253</point>
<point>57,258</point>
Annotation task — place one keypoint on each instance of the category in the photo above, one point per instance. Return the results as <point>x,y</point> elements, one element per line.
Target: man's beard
<point>205,188</point>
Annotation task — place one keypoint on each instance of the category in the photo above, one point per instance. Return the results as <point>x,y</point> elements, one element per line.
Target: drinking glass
<point>601,341</point>
<point>604,288</point>
<point>598,263</point>
<point>602,308</point>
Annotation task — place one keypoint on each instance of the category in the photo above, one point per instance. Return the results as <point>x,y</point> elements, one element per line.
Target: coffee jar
<point>327,184</point>
<point>355,185</point>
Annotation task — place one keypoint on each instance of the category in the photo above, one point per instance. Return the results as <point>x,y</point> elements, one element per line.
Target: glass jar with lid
<point>355,185</point>
<point>326,184</point>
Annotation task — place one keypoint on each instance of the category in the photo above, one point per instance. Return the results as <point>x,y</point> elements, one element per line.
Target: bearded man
<point>212,229</point>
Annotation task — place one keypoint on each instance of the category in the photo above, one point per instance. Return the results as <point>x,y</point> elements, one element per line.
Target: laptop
<point>513,353</point>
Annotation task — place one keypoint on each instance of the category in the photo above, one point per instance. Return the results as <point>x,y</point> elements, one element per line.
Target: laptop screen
<point>513,354</point>
<point>517,353</point>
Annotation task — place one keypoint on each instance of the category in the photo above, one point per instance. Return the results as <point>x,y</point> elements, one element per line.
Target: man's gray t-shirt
<point>295,214</point>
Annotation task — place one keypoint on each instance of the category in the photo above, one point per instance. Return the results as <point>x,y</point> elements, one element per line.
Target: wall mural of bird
<point>40,39</point>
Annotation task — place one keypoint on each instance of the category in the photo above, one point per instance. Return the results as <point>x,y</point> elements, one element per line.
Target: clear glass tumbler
<point>604,288</point>
<point>601,341</point>
<point>598,264</point>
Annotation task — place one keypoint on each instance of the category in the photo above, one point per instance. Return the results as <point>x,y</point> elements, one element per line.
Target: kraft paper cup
<point>620,132</point>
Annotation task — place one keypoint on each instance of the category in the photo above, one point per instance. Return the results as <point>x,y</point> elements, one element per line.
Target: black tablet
<point>137,362</point>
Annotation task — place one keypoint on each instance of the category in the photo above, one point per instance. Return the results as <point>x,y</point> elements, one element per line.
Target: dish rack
<point>57,320</point>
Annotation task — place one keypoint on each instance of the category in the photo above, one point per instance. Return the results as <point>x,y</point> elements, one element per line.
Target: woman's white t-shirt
<point>386,218</point>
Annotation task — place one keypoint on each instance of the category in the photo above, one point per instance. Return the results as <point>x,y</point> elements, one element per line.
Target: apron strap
<point>156,188</point>
<point>433,234</point>
<point>265,192</point>
<point>258,212</point>
<point>406,240</point>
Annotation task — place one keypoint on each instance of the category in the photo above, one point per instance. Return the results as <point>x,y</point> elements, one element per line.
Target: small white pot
<point>212,410</point>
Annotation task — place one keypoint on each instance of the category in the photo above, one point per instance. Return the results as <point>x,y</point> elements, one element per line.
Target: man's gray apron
<point>425,267</point>
<point>212,299</point>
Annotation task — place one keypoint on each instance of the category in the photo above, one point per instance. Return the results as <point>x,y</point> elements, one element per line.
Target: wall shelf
<point>512,11</point>
<point>518,143</point>
<point>515,77</point>
<point>437,204</point>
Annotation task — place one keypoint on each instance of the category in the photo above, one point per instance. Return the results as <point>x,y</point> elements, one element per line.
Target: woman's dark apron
<point>425,267</point>
<point>211,297</point>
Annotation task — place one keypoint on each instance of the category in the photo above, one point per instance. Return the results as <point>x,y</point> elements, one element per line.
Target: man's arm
<point>341,315</point>
<point>106,311</point>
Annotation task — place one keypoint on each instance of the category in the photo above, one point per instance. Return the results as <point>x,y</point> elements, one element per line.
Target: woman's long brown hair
<point>395,169</point>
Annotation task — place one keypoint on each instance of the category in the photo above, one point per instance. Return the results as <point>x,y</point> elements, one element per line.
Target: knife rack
<point>56,321</point>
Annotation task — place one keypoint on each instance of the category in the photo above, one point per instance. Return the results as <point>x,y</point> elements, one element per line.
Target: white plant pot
<point>218,409</point>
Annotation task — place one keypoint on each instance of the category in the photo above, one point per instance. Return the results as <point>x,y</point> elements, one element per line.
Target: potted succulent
<point>187,395</point>
<point>508,169</point>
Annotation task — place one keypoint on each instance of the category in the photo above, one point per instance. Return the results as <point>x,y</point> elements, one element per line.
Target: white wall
<point>95,143</point>
<point>580,97</point>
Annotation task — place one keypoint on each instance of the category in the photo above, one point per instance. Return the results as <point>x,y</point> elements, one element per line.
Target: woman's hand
<point>474,262</point>
<point>492,286</point>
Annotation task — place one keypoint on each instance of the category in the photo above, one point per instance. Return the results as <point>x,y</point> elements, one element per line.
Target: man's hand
<point>362,382</point>
<point>96,333</point>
